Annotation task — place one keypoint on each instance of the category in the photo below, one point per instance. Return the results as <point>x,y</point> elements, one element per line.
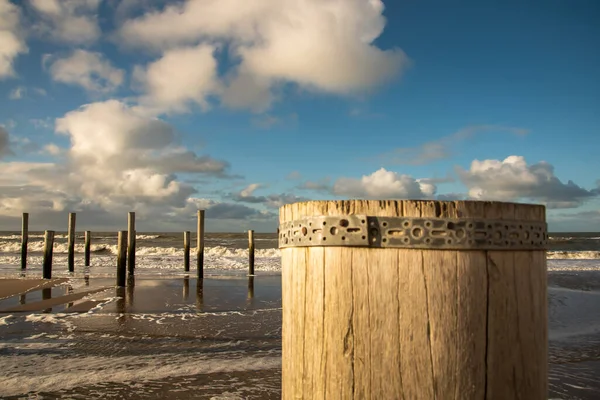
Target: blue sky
<point>162,108</point>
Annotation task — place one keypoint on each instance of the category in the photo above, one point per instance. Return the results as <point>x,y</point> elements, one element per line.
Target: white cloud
<point>320,45</point>
<point>17,93</point>
<point>180,77</point>
<point>89,70</point>
<point>68,21</point>
<point>118,160</point>
<point>512,179</point>
<point>20,92</point>
<point>383,184</point>
<point>12,42</point>
<point>249,190</point>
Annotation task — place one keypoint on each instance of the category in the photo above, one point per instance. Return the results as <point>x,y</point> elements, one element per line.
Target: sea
<point>169,335</point>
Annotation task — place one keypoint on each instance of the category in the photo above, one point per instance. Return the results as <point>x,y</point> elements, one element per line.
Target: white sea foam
<point>5,320</point>
<point>62,248</point>
<point>49,372</point>
<point>575,255</point>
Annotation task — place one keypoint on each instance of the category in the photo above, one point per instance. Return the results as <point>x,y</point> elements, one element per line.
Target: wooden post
<point>24,240</point>
<point>424,304</point>
<point>121,258</point>
<point>71,242</point>
<point>200,245</point>
<point>88,246</point>
<point>131,243</point>
<point>48,247</point>
<point>251,252</point>
<point>186,251</point>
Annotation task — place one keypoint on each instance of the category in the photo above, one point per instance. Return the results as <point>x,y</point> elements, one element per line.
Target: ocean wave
<point>61,248</point>
<point>146,237</point>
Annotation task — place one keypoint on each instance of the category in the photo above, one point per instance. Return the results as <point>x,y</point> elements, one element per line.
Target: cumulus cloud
<point>383,184</point>
<point>67,21</point>
<point>12,42</point>
<point>442,148</point>
<point>180,77</point>
<point>89,70</point>
<point>325,46</point>
<point>118,160</point>
<point>513,179</point>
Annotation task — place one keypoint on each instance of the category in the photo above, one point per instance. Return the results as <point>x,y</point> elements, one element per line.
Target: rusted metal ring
<point>414,233</point>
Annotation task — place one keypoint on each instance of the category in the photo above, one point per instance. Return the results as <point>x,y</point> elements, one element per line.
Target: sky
<point>240,106</point>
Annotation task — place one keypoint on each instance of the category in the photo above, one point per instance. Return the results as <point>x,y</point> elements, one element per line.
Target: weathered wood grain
<point>413,324</point>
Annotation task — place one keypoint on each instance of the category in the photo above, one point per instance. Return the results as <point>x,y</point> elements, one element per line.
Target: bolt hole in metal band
<point>413,233</point>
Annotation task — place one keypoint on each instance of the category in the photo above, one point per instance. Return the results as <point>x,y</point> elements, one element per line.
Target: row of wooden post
<point>126,246</point>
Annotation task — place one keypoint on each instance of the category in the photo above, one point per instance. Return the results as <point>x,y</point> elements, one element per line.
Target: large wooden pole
<point>186,251</point>
<point>48,250</point>
<point>251,252</point>
<point>88,247</point>
<point>24,240</point>
<point>396,309</point>
<point>131,243</point>
<point>200,245</point>
<point>121,258</point>
<point>71,242</point>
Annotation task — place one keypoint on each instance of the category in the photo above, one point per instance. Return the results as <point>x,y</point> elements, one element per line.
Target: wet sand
<point>172,338</point>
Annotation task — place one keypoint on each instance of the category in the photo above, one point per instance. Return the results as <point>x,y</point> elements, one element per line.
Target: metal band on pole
<point>414,233</point>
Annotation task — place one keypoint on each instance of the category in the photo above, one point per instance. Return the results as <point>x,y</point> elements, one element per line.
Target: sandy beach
<point>169,338</point>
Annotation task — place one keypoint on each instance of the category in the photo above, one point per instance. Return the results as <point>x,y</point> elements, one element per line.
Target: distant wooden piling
<point>186,251</point>
<point>71,242</point>
<point>251,252</point>
<point>48,249</point>
<point>200,245</point>
<point>24,240</point>
<point>88,246</point>
<point>121,258</point>
<point>131,243</point>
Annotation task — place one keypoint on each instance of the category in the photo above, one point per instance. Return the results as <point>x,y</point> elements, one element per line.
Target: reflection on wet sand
<point>47,294</point>
<point>130,289</point>
<point>186,287</point>
<point>250,287</point>
<point>200,294</point>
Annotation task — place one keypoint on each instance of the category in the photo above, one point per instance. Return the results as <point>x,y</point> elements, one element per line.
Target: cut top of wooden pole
<point>24,240</point>
<point>373,281</point>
